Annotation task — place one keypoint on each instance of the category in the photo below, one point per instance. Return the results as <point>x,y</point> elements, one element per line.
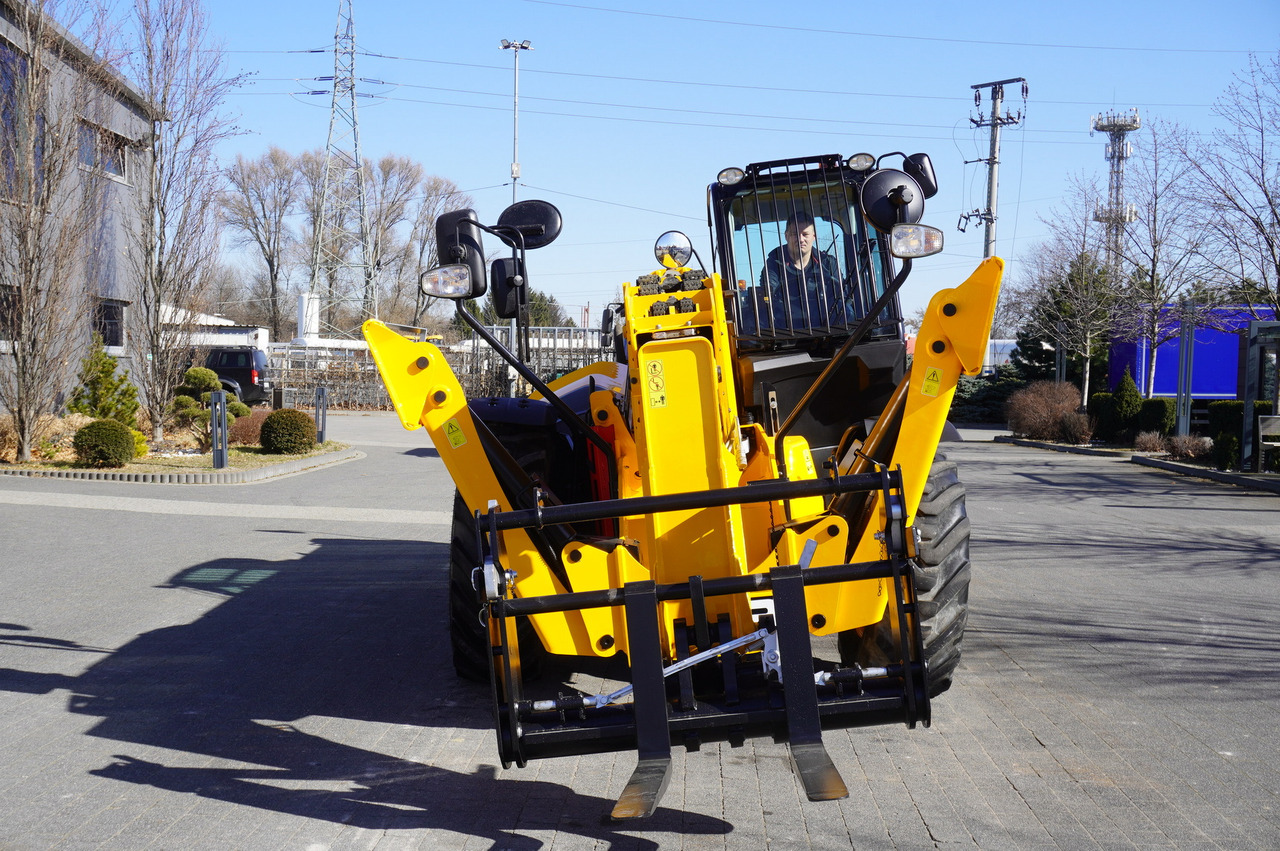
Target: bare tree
<point>1069,294</point>
<point>181,71</point>
<point>1236,183</point>
<point>1166,288</point>
<point>263,193</point>
<point>51,209</point>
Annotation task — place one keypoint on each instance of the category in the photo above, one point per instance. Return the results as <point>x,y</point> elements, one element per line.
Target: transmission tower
<point>341,259</point>
<point>1116,214</point>
<point>988,216</point>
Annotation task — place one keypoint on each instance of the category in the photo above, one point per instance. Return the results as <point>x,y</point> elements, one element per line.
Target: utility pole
<point>988,216</point>
<point>337,249</point>
<point>515,47</point>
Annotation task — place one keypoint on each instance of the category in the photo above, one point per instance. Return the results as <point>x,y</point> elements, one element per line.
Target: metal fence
<point>352,381</point>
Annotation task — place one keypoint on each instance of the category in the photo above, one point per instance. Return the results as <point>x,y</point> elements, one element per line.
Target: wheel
<point>532,451</point>
<point>942,573</point>
<point>468,635</point>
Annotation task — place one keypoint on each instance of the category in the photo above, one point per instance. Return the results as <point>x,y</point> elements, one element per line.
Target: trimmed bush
<point>104,443</point>
<point>1102,408</point>
<point>1228,415</point>
<point>140,447</point>
<point>1226,451</point>
<point>237,408</point>
<point>1038,410</point>
<point>1128,404</point>
<point>288,431</point>
<point>200,379</point>
<point>1158,415</point>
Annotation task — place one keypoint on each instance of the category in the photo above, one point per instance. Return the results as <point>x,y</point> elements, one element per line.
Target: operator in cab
<point>802,282</point>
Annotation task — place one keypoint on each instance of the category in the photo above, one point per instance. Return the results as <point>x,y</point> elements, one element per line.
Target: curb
<point>1254,482</point>
<point>1074,450</point>
<point>196,478</point>
<point>1261,483</point>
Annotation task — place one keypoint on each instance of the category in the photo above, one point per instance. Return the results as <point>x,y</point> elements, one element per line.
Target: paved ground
<point>265,666</point>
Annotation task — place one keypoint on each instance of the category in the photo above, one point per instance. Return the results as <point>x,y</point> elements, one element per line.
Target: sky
<point>627,111</point>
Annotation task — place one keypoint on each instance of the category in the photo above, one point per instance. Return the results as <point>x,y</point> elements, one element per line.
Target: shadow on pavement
<point>353,629</point>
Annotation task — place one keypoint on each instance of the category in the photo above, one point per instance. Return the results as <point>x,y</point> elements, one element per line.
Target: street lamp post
<point>515,47</point>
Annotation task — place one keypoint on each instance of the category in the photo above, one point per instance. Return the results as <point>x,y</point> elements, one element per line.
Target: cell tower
<point>1116,215</point>
<point>341,257</point>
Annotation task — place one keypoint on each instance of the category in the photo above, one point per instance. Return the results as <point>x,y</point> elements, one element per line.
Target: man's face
<point>800,241</point>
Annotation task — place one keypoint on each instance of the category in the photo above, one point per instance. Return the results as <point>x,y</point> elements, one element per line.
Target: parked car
<point>242,371</point>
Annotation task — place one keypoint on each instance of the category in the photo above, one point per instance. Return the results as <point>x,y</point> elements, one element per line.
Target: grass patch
<point>238,458</point>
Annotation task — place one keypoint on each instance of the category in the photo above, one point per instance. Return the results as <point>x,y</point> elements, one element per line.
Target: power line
<point>712,84</point>
<point>614,203</point>
<point>851,33</point>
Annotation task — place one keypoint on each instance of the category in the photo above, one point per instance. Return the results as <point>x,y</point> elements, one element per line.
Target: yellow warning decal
<point>655,385</point>
<point>454,432</point>
<point>932,381</point>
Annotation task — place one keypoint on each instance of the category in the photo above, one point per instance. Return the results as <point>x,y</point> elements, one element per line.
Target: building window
<point>9,306</point>
<point>103,151</point>
<point>108,322</point>
<point>14,126</point>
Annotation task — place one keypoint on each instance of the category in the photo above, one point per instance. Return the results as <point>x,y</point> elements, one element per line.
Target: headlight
<point>447,282</point>
<point>910,241</point>
<point>730,176</point>
<point>861,162</point>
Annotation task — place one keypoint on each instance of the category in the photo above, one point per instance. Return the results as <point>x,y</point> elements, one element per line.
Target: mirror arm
<point>567,414</point>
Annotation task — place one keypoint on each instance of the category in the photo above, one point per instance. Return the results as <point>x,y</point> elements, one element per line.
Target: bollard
<point>218,427</point>
<point>322,410</point>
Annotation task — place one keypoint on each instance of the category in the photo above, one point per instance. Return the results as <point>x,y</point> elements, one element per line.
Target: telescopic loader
<point>755,466</point>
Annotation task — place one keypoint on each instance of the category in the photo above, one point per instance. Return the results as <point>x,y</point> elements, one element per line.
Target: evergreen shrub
<point>288,431</point>
<point>104,443</point>
<point>1102,408</point>
<point>1158,415</point>
<point>102,393</point>
<point>1127,402</point>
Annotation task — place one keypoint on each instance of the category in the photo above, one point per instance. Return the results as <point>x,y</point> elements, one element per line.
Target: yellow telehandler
<point>753,465</point>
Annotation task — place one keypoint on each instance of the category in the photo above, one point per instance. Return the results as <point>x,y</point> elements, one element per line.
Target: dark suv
<point>242,371</point>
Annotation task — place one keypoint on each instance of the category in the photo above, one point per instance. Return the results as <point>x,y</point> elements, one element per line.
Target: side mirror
<point>920,167</point>
<point>537,221</point>
<point>606,324</point>
<point>673,249</point>
<point>508,277</point>
<point>459,246</point>
<point>891,197</point>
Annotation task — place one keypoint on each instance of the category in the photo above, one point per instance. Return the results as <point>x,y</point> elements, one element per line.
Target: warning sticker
<point>453,431</point>
<point>932,381</point>
<point>655,385</point>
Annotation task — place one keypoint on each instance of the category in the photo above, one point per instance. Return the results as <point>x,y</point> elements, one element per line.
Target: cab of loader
<point>787,322</point>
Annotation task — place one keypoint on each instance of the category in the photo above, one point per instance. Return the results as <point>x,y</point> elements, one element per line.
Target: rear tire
<point>942,573</point>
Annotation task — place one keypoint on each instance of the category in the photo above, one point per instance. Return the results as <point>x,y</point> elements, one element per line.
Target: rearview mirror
<point>508,277</point>
<point>920,167</point>
<point>891,197</point>
<point>537,221</point>
<point>673,249</point>
<point>459,244</point>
